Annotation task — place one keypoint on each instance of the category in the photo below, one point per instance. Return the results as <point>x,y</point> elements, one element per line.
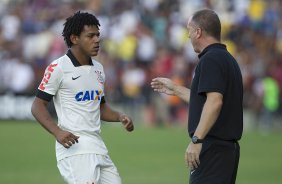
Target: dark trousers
<point>218,163</point>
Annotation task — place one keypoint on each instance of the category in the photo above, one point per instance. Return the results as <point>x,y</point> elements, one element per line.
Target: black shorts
<point>218,163</point>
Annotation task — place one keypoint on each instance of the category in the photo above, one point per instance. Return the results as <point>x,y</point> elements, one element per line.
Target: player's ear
<point>74,39</point>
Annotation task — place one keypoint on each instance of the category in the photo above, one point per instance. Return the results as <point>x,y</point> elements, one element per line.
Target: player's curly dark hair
<point>74,25</point>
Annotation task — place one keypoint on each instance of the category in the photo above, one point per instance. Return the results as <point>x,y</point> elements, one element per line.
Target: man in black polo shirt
<point>215,104</point>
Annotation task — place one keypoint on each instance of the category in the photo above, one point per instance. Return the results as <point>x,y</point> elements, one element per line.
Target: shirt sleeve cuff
<point>44,96</point>
<point>103,100</point>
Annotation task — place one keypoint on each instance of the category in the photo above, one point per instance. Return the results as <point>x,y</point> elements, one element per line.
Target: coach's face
<point>194,34</point>
<point>89,40</point>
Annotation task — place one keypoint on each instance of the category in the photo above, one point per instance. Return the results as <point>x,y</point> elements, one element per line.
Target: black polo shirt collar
<point>212,46</point>
<point>74,60</point>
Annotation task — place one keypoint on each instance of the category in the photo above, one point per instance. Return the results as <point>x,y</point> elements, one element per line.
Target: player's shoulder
<point>97,64</point>
<point>62,62</point>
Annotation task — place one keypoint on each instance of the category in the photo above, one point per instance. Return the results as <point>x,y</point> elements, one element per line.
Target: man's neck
<point>206,42</point>
<point>80,57</point>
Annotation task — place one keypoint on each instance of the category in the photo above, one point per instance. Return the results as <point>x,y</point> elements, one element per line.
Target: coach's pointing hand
<point>66,138</point>
<point>127,122</point>
<point>163,85</point>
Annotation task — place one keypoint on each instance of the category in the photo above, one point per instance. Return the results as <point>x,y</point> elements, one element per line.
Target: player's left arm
<point>110,115</point>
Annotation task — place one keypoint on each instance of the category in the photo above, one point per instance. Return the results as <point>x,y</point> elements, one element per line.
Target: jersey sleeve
<point>50,82</point>
<point>212,78</point>
<point>103,100</point>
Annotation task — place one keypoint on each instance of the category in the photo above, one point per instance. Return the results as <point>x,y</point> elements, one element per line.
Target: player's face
<point>89,40</point>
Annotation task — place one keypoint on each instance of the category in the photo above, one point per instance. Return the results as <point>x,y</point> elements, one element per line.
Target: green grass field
<point>146,156</point>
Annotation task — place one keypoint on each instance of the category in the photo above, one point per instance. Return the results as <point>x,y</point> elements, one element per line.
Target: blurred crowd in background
<point>143,39</point>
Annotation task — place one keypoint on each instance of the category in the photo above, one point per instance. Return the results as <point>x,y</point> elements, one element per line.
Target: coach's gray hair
<point>208,21</point>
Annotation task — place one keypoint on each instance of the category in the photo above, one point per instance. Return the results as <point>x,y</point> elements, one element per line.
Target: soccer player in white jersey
<point>75,82</point>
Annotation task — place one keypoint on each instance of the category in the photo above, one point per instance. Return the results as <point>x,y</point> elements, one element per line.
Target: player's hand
<point>127,122</point>
<point>66,138</point>
<point>192,155</point>
<point>163,85</point>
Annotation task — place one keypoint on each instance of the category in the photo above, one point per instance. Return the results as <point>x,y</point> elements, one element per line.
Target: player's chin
<point>94,52</point>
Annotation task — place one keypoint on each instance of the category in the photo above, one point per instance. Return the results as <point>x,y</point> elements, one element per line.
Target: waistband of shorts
<point>214,138</point>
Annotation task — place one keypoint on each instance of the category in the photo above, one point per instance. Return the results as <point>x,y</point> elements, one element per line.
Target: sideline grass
<point>146,156</point>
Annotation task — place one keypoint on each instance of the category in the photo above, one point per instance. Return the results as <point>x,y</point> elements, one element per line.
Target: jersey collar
<point>212,46</point>
<point>74,60</point>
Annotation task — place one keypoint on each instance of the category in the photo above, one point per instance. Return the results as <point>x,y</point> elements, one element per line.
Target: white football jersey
<point>77,91</point>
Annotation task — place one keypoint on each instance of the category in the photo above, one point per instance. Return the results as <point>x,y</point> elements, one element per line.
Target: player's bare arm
<point>40,112</point>
<point>107,114</point>
<point>209,115</point>
<point>167,86</point>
